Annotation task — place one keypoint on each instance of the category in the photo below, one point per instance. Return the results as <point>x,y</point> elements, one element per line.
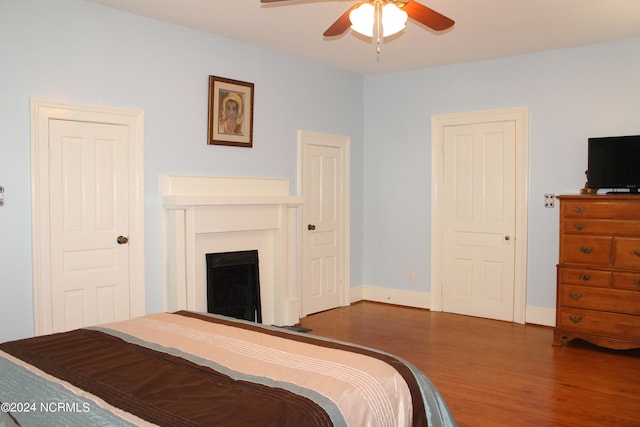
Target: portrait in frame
<point>230,112</point>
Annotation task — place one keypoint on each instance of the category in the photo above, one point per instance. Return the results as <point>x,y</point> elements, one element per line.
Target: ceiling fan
<point>413,10</point>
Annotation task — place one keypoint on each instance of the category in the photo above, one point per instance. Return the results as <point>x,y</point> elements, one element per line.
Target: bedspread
<point>188,368</point>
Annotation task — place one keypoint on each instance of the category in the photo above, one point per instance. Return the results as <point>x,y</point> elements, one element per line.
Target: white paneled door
<point>479,219</point>
<point>88,214</point>
<point>88,223</point>
<point>324,184</point>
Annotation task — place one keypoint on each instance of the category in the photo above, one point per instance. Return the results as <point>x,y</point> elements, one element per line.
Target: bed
<point>195,369</point>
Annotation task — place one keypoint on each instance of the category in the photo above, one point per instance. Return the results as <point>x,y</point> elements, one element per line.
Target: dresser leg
<point>559,339</point>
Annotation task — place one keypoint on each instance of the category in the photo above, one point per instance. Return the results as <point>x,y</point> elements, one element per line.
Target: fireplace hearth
<point>233,285</point>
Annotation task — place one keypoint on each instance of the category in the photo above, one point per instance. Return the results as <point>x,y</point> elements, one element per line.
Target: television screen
<point>614,162</point>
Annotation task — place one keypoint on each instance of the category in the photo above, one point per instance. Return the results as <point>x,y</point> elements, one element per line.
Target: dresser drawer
<point>589,207</point>
<point>614,300</point>
<point>588,250</point>
<point>627,281</point>
<point>602,227</point>
<point>584,277</point>
<point>599,323</point>
<point>627,253</point>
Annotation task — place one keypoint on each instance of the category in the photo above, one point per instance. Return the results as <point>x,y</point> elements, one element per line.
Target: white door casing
<point>479,213</point>
<point>324,183</point>
<point>77,262</point>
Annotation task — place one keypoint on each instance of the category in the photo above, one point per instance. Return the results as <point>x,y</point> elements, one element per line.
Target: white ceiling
<point>484,29</point>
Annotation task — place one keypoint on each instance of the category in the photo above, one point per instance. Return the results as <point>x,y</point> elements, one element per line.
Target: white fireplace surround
<point>206,214</point>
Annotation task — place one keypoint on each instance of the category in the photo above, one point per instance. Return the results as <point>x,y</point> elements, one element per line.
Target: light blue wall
<point>572,94</point>
<point>79,52</point>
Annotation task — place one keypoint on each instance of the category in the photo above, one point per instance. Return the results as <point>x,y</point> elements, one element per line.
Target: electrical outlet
<point>1,195</point>
<point>549,200</point>
<point>411,274</point>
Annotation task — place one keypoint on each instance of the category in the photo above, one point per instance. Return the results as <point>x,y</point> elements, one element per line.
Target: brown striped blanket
<point>191,369</point>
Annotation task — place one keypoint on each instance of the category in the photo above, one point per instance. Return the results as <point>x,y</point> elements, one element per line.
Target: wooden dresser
<point>598,292</point>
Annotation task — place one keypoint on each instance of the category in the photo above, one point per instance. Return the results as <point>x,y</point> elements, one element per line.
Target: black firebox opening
<point>233,285</point>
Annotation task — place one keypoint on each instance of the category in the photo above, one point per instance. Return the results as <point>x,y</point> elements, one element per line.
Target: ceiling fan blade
<point>342,24</point>
<point>427,16</point>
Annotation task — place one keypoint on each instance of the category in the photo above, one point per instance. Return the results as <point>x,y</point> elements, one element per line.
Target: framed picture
<point>230,112</point>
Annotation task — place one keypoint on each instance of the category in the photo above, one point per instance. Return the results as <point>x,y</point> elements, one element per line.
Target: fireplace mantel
<point>204,214</point>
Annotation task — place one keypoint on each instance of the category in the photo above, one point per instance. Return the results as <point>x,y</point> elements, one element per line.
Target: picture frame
<point>230,112</point>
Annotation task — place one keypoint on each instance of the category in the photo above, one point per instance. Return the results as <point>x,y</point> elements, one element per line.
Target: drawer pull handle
<point>579,210</point>
<point>585,277</point>
<point>578,227</point>
<point>575,297</point>
<point>575,319</point>
<point>637,282</point>
<point>586,249</point>
<point>636,252</point>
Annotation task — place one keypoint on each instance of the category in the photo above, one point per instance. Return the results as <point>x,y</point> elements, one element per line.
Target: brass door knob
<point>507,237</point>
<point>122,240</point>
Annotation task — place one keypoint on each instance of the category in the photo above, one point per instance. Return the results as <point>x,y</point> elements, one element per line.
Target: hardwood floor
<point>494,373</point>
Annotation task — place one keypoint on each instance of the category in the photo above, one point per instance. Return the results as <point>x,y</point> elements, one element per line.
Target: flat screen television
<point>614,163</point>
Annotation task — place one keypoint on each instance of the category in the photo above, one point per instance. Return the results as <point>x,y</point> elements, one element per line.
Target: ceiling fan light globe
<point>394,19</point>
<point>362,19</point>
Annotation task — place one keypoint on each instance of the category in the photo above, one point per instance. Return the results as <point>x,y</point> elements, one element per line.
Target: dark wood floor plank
<point>494,373</point>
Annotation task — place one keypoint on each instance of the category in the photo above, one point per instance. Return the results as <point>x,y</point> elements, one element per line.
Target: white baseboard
<point>536,315</point>
<point>391,296</point>
<point>541,316</point>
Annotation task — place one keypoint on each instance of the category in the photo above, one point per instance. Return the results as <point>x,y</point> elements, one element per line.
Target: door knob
<point>507,237</point>
<point>122,240</point>
<point>311,227</point>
